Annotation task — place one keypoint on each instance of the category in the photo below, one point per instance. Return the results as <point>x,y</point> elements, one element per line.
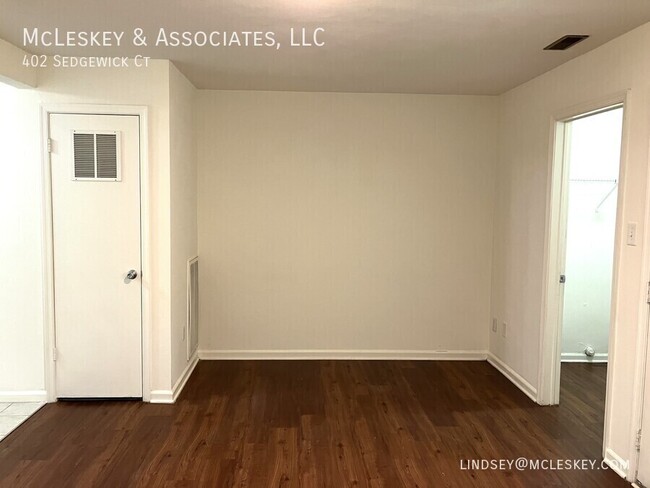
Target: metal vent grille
<point>84,155</point>
<point>192,307</point>
<point>96,156</point>
<point>106,155</point>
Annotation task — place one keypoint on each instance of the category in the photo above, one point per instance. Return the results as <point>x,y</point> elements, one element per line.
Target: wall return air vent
<point>564,43</point>
<point>192,307</point>
<point>96,156</point>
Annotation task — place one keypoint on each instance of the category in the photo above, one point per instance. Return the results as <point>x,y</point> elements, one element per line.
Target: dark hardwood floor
<point>317,423</point>
<point>582,401</point>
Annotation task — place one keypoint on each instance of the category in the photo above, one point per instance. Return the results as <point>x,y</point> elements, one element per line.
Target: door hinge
<point>647,298</point>
<point>49,145</point>
<point>54,354</point>
<point>637,445</point>
<point>562,278</point>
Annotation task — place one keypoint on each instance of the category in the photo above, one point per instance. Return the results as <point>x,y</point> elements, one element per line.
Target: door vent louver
<point>96,156</point>
<point>84,155</point>
<point>106,155</point>
<point>564,43</point>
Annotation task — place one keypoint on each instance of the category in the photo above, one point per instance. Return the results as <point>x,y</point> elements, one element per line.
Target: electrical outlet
<point>495,325</point>
<point>504,329</point>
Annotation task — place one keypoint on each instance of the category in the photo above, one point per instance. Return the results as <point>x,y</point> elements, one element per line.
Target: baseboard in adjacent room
<point>352,354</point>
<point>579,357</point>
<point>170,396</point>
<point>17,396</point>
<point>513,376</point>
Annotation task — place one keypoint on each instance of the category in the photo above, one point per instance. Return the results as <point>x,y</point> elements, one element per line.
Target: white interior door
<point>95,167</point>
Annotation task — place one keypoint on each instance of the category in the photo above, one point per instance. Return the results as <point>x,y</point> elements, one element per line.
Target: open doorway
<point>593,156</point>
<point>587,168</point>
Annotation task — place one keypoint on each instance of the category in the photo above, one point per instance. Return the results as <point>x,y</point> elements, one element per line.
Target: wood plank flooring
<point>317,424</point>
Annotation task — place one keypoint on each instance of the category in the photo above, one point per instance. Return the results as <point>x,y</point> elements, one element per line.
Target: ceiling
<point>395,46</point>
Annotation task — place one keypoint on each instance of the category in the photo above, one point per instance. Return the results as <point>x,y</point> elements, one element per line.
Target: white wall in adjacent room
<point>21,254</point>
<point>594,156</point>
<point>345,222</point>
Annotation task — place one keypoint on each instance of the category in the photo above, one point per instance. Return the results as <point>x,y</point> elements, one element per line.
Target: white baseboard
<point>161,396</point>
<point>579,357</point>
<point>18,396</point>
<point>616,463</point>
<point>182,380</point>
<point>354,354</point>
<point>513,376</point>
<point>170,396</point>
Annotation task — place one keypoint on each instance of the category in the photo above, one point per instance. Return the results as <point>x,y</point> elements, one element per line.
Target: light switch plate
<point>631,234</point>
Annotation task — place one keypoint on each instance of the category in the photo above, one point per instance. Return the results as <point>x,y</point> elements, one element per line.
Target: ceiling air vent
<point>564,43</point>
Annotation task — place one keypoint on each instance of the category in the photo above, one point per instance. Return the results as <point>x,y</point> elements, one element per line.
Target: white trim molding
<point>170,396</point>
<point>579,357</point>
<point>442,355</point>
<point>514,377</point>
<point>17,396</point>
<point>616,463</point>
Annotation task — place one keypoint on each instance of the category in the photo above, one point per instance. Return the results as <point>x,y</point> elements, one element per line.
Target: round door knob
<point>132,274</point>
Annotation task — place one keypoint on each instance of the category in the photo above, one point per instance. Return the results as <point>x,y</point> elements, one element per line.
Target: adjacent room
<point>325,244</point>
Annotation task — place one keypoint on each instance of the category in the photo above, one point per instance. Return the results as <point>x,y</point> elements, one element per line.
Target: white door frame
<point>48,242</point>
<point>548,391</point>
<point>642,351</point>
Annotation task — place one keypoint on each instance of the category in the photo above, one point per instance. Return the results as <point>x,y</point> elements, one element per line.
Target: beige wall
<point>344,222</point>
<point>524,165</point>
<point>184,234</point>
